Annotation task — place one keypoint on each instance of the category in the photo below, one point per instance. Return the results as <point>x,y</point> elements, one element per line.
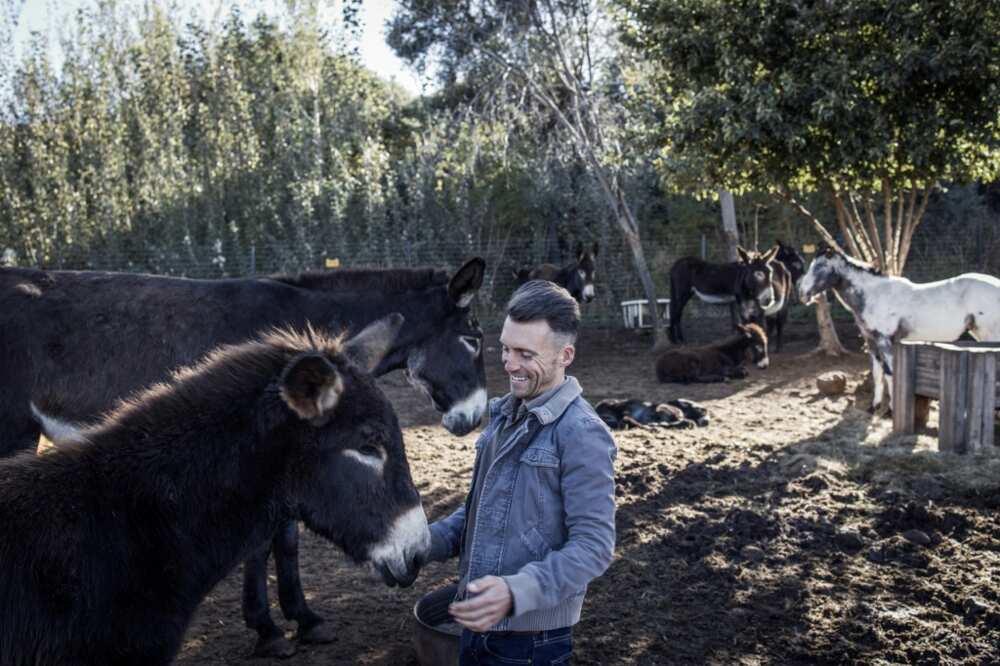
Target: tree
<point>560,56</point>
<point>870,103</point>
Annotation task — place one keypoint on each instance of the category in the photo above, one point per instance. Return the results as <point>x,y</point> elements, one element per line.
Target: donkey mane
<point>365,279</point>
<point>737,342</point>
<point>218,376</point>
<point>859,264</point>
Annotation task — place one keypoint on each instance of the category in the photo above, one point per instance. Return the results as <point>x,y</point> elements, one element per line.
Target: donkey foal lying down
<point>715,363</point>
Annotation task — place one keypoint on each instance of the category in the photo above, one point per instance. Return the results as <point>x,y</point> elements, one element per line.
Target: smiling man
<point>539,522</point>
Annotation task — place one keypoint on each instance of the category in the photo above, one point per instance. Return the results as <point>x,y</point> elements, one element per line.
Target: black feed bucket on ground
<point>435,634</point>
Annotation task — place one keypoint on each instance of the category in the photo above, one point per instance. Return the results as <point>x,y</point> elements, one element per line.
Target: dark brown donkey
<point>74,343</point>
<point>715,363</point>
<point>746,283</point>
<point>109,547</point>
<point>577,278</point>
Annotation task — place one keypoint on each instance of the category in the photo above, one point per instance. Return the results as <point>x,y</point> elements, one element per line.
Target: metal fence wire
<point>616,280</point>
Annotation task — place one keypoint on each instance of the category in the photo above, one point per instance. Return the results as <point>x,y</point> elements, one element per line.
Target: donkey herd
<point>196,423</point>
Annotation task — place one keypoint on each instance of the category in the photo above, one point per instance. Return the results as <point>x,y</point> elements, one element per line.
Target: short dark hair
<point>541,299</point>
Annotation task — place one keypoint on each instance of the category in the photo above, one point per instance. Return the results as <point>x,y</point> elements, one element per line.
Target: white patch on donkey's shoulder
<point>56,430</point>
<point>712,298</point>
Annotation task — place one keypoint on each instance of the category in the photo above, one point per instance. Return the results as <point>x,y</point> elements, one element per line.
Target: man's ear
<point>311,386</point>
<point>566,355</point>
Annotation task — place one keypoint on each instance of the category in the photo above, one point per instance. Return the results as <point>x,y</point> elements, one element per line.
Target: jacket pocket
<point>535,543</point>
<point>539,457</point>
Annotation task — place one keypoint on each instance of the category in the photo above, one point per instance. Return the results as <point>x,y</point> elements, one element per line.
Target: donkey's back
<point>941,310</point>
<point>74,342</point>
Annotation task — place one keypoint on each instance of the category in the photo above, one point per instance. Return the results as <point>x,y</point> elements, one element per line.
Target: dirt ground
<point>791,530</point>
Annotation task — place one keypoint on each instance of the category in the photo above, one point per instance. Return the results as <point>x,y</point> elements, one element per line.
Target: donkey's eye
<point>370,451</point>
<point>472,344</point>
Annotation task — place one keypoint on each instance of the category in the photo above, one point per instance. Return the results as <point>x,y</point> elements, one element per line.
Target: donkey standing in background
<point>788,266</point>
<point>746,282</point>
<point>109,547</point>
<point>577,278</point>
<point>890,308</point>
<point>74,343</point>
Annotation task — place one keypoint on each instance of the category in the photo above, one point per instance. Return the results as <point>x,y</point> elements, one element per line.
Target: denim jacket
<point>546,515</point>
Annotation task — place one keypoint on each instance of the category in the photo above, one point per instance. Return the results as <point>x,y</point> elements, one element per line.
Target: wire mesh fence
<point>616,279</point>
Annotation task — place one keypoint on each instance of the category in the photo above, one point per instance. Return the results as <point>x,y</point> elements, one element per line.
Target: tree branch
<point>918,218</point>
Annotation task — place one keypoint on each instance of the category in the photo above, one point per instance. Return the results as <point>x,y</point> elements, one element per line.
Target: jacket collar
<point>548,411</point>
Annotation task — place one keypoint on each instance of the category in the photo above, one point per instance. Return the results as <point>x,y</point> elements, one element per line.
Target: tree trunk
<point>829,341</point>
<point>642,270</point>
<point>729,224</point>
<point>732,233</point>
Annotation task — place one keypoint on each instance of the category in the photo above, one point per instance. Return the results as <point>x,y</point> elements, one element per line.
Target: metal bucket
<point>435,634</point>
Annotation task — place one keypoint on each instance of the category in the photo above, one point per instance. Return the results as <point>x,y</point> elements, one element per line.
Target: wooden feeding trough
<point>962,376</point>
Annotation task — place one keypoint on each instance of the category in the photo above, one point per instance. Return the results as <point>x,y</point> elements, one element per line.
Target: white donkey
<point>888,308</point>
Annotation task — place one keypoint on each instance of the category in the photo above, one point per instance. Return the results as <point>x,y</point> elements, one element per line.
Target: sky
<point>46,16</point>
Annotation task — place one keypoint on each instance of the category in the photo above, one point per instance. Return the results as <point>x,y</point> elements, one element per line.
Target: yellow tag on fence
<point>808,248</point>
<point>333,263</point>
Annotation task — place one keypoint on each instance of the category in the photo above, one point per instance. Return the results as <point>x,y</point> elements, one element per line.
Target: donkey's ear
<point>596,247</point>
<point>579,249</point>
<point>466,282</point>
<point>743,255</point>
<point>311,386</point>
<point>370,346</point>
<point>771,254</point>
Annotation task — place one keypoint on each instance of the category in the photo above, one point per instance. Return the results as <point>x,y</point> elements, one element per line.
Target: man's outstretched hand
<point>491,604</point>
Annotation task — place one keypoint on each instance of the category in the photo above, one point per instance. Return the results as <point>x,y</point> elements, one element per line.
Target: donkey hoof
<point>318,633</point>
<point>274,647</point>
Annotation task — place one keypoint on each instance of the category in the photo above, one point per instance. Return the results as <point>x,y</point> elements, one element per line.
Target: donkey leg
<point>312,628</point>
<point>775,329</point>
<point>676,310</point>
<point>271,641</point>
<point>878,381</point>
<point>884,346</point>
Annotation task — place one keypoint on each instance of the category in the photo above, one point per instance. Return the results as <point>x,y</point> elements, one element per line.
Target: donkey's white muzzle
<point>400,555</point>
<point>465,415</point>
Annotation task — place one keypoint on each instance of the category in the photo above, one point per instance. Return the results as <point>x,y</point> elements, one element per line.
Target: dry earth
<point>791,530</point>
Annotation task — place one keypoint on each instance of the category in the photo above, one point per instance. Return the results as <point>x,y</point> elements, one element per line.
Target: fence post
<point>954,401</point>
<point>982,400</point>
<point>253,259</point>
<point>704,248</point>
<point>904,378</point>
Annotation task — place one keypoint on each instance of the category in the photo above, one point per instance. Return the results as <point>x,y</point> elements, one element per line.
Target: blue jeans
<point>540,648</point>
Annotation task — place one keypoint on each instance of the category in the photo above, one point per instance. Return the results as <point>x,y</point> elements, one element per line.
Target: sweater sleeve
<point>587,484</point>
<point>446,536</point>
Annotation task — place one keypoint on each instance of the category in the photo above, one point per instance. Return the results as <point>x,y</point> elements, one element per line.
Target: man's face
<point>534,357</point>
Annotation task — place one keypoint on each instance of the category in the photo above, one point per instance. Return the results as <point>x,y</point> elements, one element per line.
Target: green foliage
<point>782,93</point>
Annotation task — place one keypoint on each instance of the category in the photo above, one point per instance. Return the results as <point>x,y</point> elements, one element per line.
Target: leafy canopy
<point>802,94</point>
